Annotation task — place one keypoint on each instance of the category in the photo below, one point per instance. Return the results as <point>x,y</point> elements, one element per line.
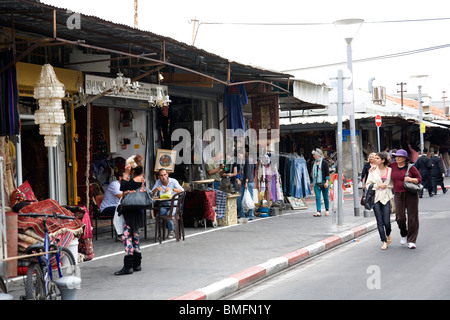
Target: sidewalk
<point>214,262</point>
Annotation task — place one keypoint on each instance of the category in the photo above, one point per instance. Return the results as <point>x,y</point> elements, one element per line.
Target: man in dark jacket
<point>423,164</point>
<point>437,172</point>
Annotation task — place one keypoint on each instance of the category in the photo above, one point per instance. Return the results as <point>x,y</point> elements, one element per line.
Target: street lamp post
<point>348,28</point>
<point>419,81</point>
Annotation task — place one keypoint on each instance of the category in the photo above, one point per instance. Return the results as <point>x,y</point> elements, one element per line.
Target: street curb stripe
<point>251,275</point>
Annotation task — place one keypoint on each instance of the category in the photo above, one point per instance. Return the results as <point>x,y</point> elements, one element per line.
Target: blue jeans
<point>317,192</point>
<point>383,215</point>
<point>164,211</point>
<point>240,211</point>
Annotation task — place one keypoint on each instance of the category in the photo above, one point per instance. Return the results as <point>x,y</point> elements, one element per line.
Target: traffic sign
<point>378,120</point>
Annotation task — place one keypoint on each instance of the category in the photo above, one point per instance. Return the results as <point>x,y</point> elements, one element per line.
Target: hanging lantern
<point>49,92</point>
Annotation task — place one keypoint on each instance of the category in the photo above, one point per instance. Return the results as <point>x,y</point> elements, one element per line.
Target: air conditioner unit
<point>379,95</point>
<point>426,104</point>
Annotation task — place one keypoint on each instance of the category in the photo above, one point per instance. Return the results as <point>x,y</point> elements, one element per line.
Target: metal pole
<point>353,133</point>
<point>339,147</point>
<point>378,137</point>
<point>420,119</point>
<point>51,173</point>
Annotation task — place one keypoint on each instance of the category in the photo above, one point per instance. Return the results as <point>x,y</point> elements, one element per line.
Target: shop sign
<point>95,85</point>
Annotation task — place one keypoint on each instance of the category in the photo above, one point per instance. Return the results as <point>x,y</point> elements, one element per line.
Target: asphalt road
<point>361,270</point>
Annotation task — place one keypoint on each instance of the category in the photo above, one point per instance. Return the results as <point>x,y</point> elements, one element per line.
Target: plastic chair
<point>98,216</point>
<point>177,218</point>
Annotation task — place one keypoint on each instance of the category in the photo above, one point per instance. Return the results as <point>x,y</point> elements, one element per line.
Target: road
<point>361,270</point>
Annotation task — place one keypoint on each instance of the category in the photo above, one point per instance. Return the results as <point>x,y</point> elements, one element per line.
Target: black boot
<point>137,261</point>
<point>128,261</point>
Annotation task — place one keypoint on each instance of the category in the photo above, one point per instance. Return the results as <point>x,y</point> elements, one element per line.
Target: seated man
<point>112,196</point>
<point>164,184</point>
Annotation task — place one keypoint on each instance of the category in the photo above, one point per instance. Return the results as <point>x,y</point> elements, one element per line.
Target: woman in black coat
<point>133,179</point>
<point>437,172</point>
<point>423,164</point>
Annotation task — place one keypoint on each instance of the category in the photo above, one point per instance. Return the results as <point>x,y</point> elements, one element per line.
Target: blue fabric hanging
<point>235,97</point>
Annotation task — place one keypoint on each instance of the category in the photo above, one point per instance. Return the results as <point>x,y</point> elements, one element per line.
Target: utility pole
<point>193,29</point>
<point>401,84</point>
<point>446,111</point>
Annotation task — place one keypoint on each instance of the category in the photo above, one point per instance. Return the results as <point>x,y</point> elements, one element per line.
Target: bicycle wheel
<point>35,283</point>
<point>68,264</point>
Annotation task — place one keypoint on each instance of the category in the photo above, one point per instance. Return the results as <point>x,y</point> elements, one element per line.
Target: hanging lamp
<point>50,115</point>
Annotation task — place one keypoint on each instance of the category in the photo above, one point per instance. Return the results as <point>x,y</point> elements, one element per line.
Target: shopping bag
<point>118,220</point>
<point>247,201</point>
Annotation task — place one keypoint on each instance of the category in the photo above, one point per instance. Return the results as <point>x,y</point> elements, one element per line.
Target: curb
<point>251,275</point>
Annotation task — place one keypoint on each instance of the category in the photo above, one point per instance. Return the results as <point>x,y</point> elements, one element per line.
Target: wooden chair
<point>177,218</point>
<point>97,215</point>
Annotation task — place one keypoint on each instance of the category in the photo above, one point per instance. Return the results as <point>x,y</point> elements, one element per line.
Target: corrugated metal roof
<point>35,17</point>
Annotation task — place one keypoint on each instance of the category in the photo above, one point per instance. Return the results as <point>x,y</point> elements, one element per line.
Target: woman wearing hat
<point>405,201</point>
<point>320,177</point>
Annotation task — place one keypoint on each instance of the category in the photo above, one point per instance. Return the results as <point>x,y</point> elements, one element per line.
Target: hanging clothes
<point>234,99</point>
<point>296,182</point>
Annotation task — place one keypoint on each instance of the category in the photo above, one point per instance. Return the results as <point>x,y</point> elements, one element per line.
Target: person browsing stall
<point>320,177</point>
<point>214,169</point>
<point>165,184</point>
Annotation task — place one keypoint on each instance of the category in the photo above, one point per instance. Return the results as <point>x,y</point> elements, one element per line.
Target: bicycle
<point>40,283</point>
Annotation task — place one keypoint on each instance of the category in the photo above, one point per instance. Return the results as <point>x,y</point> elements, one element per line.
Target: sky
<point>298,37</point>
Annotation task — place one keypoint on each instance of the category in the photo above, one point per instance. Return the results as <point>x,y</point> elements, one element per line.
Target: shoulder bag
<point>411,186</point>
<point>369,197</point>
<point>141,198</point>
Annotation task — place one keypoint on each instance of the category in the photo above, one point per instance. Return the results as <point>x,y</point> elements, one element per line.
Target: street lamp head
<point>419,80</point>
<point>348,28</point>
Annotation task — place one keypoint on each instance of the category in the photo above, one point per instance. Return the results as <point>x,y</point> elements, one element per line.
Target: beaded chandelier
<point>49,92</point>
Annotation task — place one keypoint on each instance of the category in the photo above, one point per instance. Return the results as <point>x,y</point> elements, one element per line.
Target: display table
<point>230,211</point>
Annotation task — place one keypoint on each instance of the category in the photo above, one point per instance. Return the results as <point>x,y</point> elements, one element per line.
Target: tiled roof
<point>415,104</point>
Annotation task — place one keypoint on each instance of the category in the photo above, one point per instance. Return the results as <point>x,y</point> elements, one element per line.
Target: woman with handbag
<point>320,177</point>
<point>406,201</point>
<point>133,179</point>
<point>380,177</point>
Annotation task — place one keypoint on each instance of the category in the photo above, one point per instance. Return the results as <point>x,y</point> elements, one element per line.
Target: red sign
<point>378,120</point>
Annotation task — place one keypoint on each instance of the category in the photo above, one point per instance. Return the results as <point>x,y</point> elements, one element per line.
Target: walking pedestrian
<point>380,176</point>
<point>405,201</point>
<point>437,172</point>
<point>134,218</point>
<point>320,178</point>
<point>424,165</point>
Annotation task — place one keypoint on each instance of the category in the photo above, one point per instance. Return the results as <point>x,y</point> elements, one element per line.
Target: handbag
<point>141,198</point>
<point>411,186</point>
<point>369,197</point>
<point>321,185</point>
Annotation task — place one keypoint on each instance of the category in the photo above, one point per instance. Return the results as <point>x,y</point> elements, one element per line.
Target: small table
<point>158,215</point>
<point>201,183</point>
